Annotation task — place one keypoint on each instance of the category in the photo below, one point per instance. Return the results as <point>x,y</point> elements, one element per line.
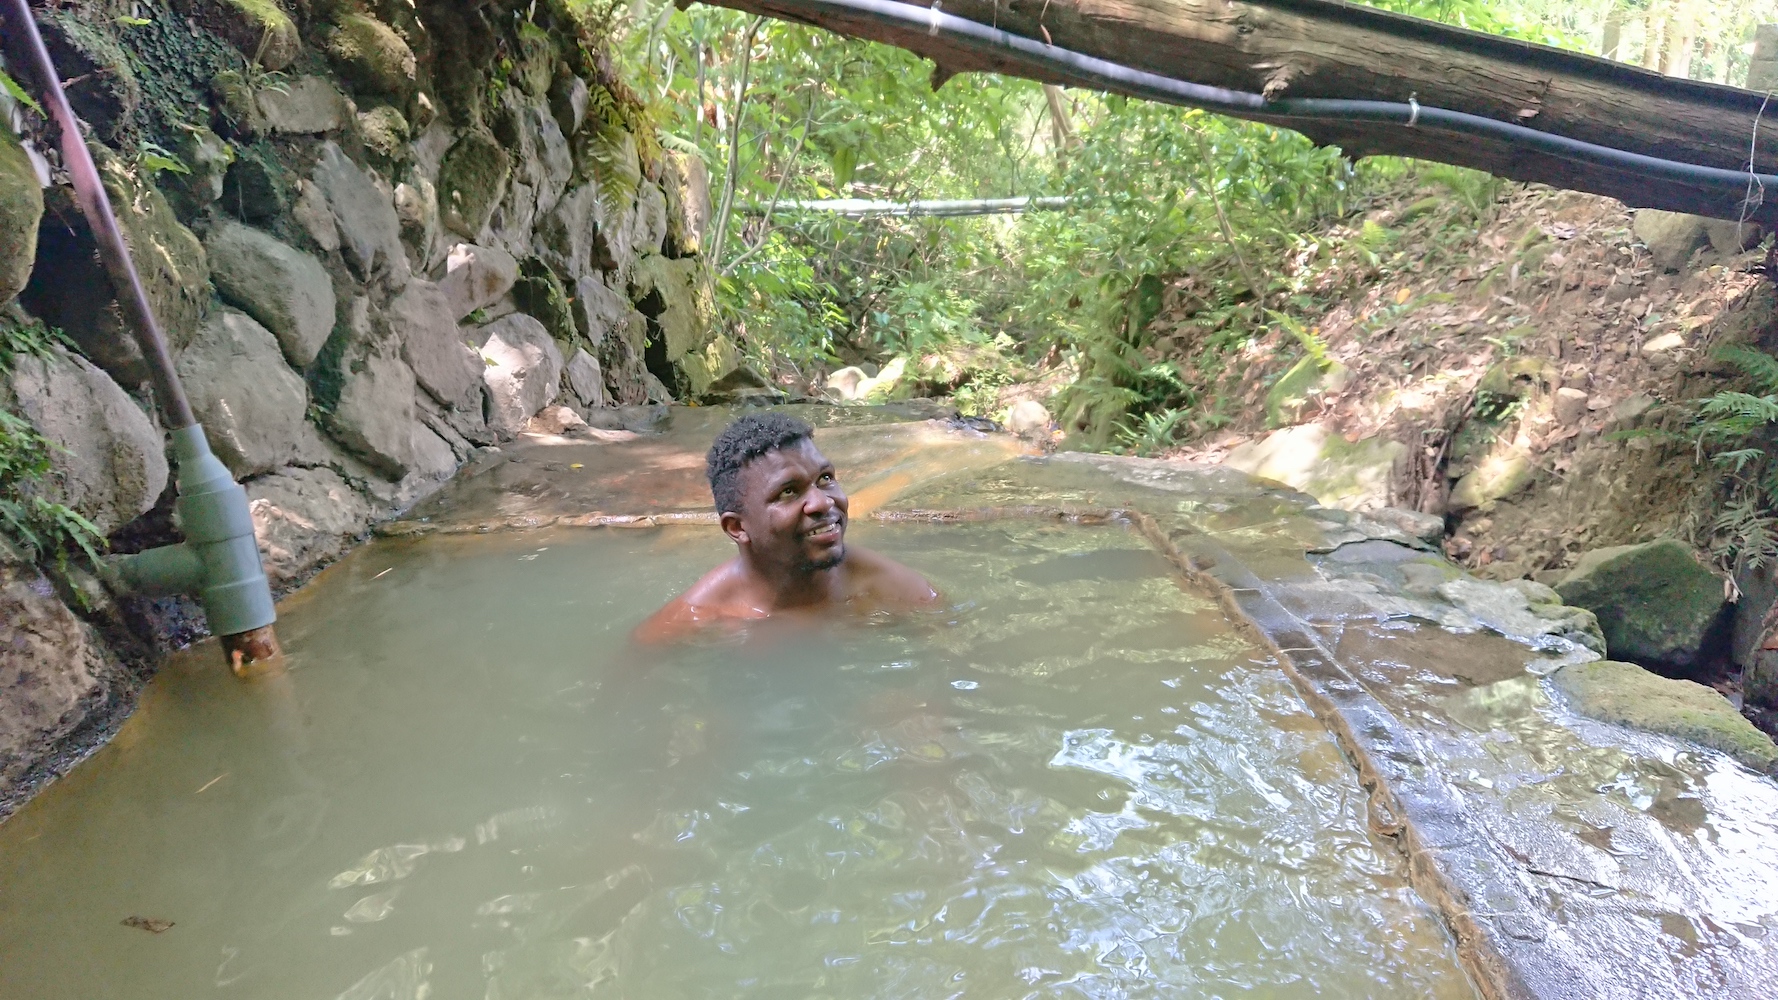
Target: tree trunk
<point>1318,48</point>
<point>1061,125</point>
<point>1614,34</point>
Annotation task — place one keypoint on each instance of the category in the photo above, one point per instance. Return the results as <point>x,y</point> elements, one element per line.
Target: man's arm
<point>889,583</point>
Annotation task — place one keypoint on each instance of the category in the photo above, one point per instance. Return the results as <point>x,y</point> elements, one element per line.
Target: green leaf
<point>18,94</point>
<point>845,163</point>
<point>133,22</point>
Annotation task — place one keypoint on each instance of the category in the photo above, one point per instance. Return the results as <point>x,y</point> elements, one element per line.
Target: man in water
<point>779,501</point>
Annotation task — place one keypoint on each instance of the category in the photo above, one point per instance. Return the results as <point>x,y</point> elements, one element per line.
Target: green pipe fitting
<point>219,559</point>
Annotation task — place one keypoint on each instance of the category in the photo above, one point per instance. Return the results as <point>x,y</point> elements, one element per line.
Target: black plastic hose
<point>1103,74</point>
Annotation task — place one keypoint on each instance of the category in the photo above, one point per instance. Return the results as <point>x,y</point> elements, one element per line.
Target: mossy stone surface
<point>1626,694</point>
<point>1655,604</point>
<point>259,28</point>
<point>100,84</point>
<point>21,208</point>
<point>371,56</point>
<point>385,132</point>
<point>539,293</point>
<point>471,182</point>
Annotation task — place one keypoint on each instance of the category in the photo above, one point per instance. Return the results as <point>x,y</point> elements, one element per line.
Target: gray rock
<point>1311,458</point>
<point>385,132</point>
<point>109,463</point>
<point>648,231</point>
<point>1728,237</point>
<point>1570,406</point>
<point>304,519</point>
<point>844,383</point>
<point>1495,478</point>
<point>55,673</point>
<point>416,205</point>
<point>364,214</point>
<point>21,207</point>
<point>1656,605</point>
<point>523,368</point>
<point>567,102</point>
<point>585,379</point>
<point>283,288</point>
<point>422,321</point>
<point>1671,237</point>
<point>305,105</point>
<point>476,277</point>
<point>688,203</point>
<point>559,421</point>
<point>1029,419</point>
<point>252,406</point>
<point>567,236</point>
<point>374,416</point>
<point>741,385</point>
<point>261,31</point>
<point>207,157</point>
<point>1427,528</point>
<point>603,314</point>
<point>311,212</point>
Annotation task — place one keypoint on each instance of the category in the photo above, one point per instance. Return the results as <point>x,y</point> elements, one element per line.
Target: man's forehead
<point>799,457</point>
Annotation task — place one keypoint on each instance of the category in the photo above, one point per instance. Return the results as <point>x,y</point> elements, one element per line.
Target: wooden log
<point>1330,48</point>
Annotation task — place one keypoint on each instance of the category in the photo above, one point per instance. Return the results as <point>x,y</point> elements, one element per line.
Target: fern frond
<point>1754,363</point>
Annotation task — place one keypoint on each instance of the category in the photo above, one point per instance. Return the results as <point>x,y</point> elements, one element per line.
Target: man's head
<point>777,495</point>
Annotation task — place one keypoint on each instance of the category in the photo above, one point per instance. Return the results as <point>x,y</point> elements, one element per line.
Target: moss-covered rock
<point>1655,604</point>
<point>1494,478</point>
<point>669,293</point>
<point>371,56</point>
<point>1626,694</point>
<point>261,29</point>
<point>207,156</point>
<point>101,86</point>
<point>21,208</point>
<point>539,293</point>
<point>471,182</point>
<point>256,187</point>
<point>385,132</point>
<point>1313,459</point>
<point>236,103</point>
<point>537,60</point>
<point>71,290</point>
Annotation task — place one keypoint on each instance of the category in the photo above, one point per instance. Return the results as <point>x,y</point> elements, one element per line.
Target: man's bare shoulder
<point>715,596</point>
<point>884,581</point>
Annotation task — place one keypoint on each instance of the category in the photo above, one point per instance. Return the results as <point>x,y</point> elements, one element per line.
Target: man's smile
<point>827,532</point>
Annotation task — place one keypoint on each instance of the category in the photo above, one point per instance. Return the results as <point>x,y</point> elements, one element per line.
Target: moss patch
<point>471,181</point>
<point>21,207</point>
<point>385,132</point>
<point>371,56</point>
<point>1626,694</point>
<point>258,28</point>
<point>539,293</point>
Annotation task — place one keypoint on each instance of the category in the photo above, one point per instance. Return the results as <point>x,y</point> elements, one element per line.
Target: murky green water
<point>1079,784</point>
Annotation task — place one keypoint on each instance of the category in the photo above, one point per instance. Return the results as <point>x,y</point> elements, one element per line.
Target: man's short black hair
<point>743,441</point>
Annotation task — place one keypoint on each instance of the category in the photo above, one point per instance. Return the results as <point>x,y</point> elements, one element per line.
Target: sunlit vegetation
<point>1223,221</point>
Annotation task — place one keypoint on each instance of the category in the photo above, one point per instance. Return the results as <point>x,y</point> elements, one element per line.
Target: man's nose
<point>816,501</point>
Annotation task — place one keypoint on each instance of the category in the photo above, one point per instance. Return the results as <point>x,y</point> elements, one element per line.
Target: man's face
<point>793,512</point>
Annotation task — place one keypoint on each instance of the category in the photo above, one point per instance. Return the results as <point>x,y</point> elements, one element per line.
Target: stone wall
<point>379,236</point>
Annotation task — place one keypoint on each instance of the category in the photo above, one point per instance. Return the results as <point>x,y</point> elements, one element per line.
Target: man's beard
<point>829,562</point>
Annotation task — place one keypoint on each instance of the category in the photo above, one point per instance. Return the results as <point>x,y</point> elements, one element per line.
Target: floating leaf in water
<point>153,925</point>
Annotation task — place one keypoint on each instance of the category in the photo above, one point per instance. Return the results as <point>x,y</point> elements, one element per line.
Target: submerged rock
<point>108,463</point>
<point>21,207</point>
<point>1655,604</point>
<point>283,288</point>
<point>1626,694</point>
<point>303,519</point>
<point>252,406</point>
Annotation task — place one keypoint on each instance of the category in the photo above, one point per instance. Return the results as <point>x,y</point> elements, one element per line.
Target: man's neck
<point>783,590</point>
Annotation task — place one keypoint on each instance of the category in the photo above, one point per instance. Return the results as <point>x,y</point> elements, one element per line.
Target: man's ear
<point>731,526</point>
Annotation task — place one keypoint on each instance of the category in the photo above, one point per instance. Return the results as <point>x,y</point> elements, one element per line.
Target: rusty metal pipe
<point>219,560</point>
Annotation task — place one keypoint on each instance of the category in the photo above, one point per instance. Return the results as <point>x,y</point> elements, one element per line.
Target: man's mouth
<point>828,532</point>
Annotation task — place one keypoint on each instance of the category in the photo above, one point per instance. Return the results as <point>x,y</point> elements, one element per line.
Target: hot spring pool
<point>1079,782</point>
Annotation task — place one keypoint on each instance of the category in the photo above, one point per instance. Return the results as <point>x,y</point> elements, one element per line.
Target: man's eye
<point>826,477</point>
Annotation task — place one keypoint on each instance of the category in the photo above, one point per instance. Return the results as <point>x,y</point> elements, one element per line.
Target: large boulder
<point>1655,604</point>
<point>476,277</point>
<point>585,379</point>
<point>100,80</point>
<point>55,674</point>
<point>1321,463</point>
<point>471,182</point>
<point>1626,694</point>
<point>1494,478</point>
<point>523,368</point>
<point>377,418</point>
<point>108,463</point>
<point>304,519</point>
<point>371,56</point>
<point>252,406</point>
<point>21,207</point>
<point>423,321</point>
<point>364,218</point>
<point>280,286</point>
